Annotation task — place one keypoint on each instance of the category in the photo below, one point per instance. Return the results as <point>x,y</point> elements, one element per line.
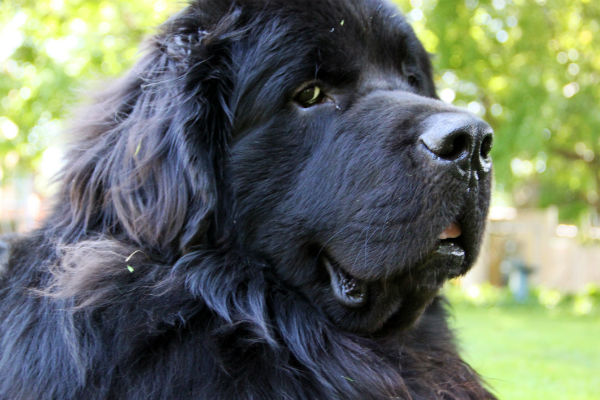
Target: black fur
<point>184,257</point>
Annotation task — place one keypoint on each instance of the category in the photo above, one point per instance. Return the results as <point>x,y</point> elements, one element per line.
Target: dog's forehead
<point>376,24</point>
<point>350,34</point>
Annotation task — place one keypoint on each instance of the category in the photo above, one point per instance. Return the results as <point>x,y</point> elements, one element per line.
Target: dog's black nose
<point>459,139</point>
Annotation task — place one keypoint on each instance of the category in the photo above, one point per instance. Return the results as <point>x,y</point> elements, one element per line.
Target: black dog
<point>265,207</point>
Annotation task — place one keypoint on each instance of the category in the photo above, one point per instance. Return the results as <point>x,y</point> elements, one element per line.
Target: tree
<point>49,49</point>
<point>530,68</point>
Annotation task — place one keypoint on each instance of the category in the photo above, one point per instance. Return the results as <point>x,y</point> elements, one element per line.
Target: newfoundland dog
<point>264,207</point>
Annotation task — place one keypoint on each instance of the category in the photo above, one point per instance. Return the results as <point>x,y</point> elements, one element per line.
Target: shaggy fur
<point>224,230</point>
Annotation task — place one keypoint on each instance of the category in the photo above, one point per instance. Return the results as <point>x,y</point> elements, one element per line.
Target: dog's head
<point>363,189</point>
<point>308,133</point>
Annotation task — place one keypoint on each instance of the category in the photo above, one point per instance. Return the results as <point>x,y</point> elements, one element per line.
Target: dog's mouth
<point>446,260</point>
<point>347,289</point>
<point>450,251</point>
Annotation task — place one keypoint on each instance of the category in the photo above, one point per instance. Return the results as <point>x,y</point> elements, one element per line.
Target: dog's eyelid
<point>307,85</point>
<point>411,75</point>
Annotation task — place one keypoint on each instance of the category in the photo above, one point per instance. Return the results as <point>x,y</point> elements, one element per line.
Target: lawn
<point>530,352</point>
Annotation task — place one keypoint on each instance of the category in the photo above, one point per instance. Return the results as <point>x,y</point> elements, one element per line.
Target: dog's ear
<point>146,163</point>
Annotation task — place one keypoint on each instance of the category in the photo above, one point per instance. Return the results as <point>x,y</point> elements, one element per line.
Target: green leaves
<point>531,69</point>
<point>48,50</point>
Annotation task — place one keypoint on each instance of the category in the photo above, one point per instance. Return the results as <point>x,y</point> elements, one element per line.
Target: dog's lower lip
<point>452,256</point>
<point>348,290</point>
<point>450,249</point>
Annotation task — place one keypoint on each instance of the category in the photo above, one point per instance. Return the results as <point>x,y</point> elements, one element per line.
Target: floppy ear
<point>147,161</point>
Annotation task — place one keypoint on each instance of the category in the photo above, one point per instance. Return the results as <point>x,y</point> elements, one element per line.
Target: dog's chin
<point>390,303</point>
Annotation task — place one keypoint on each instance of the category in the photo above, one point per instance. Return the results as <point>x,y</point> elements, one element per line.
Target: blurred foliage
<point>583,303</point>
<point>531,68</point>
<point>48,49</point>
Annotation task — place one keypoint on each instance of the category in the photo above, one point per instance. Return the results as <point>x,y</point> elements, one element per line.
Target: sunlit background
<point>528,315</point>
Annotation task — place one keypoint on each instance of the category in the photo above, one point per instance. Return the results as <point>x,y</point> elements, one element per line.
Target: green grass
<point>527,352</point>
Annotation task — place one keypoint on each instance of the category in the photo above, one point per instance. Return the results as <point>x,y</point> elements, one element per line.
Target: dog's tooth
<point>348,290</point>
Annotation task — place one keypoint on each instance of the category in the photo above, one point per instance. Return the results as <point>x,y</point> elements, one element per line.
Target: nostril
<point>456,146</point>
<point>486,146</point>
<point>448,146</point>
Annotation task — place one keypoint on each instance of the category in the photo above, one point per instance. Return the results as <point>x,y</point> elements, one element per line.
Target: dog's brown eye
<point>310,96</point>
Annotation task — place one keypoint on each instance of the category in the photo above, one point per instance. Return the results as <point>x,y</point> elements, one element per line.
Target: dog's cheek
<point>263,170</point>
